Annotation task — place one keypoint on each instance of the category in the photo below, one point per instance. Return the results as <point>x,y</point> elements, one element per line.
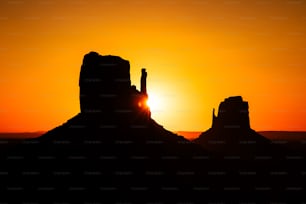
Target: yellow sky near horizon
<point>196,54</point>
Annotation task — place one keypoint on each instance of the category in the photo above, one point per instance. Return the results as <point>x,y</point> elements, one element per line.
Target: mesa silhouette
<point>114,112</point>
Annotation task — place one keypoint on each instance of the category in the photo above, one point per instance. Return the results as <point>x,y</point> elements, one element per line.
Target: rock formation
<point>233,112</point>
<point>105,88</point>
<point>230,131</point>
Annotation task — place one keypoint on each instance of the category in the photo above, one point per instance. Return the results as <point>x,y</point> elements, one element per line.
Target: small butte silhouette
<point>231,132</point>
<point>114,152</point>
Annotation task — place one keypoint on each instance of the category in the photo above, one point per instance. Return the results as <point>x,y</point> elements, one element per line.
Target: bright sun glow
<point>154,103</point>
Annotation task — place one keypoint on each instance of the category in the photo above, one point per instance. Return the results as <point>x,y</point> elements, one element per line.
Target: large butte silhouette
<point>231,132</point>
<point>113,111</point>
<point>115,121</point>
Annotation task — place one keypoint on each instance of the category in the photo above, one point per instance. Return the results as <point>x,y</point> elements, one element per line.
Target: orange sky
<point>196,53</point>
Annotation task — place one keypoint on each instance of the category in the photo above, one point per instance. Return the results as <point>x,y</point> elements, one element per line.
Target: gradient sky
<point>196,53</point>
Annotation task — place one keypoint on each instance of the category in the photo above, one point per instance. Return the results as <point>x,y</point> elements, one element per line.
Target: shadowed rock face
<point>231,132</point>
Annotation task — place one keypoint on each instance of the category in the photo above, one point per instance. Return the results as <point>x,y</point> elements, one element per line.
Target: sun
<point>154,102</point>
